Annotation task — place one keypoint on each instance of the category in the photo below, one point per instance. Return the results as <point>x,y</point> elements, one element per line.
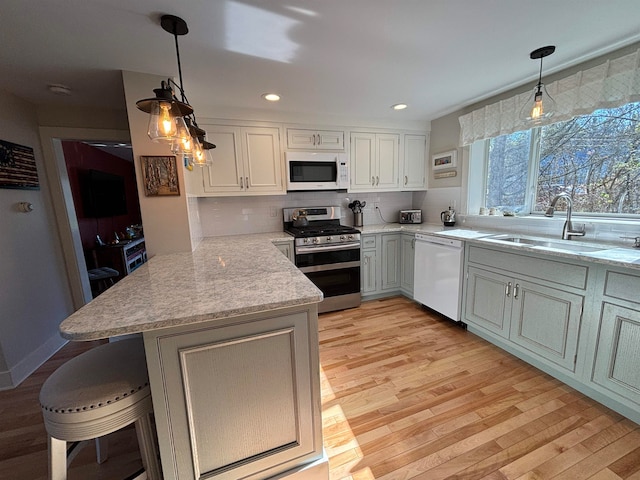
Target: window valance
<point>612,84</point>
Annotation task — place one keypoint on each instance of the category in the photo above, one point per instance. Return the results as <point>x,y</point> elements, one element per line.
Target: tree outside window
<point>594,158</point>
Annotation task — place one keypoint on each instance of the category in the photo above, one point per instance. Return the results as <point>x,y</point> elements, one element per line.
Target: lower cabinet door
<point>546,322</point>
<point>617,364</point>
<point>488,301</point>
<point>369,271</point>
<point>234,400</point>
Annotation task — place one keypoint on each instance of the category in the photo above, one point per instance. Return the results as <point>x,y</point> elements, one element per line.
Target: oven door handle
<point>329,266</point>
<point>328,248</point>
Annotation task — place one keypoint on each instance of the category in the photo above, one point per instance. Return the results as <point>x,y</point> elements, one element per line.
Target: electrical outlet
<point>273,211</point>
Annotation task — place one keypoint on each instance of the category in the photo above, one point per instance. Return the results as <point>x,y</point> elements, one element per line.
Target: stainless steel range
<point>327,253</point>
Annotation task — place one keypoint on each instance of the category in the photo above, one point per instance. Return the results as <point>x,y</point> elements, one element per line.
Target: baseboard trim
<point>18,373</point>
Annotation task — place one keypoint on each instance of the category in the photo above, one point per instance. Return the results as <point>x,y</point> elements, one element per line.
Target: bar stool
<point>101,278</point>
<point>96,393</point>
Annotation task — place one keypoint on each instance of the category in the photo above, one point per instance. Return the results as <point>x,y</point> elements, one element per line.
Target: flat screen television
<point>103,194</point>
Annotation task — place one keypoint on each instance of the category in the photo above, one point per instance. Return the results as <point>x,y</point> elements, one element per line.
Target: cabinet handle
<point>516,290</point>
<point>318,141</point>
<point>406,180</point>
<point>507,290</point>
<point>246,181</point>
<point>413,244</point>
<point>373,181</point>
<point>377,181</point>
<point>241,184</point>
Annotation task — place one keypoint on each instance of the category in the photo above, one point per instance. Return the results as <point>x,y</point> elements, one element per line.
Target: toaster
<point>410,216</point>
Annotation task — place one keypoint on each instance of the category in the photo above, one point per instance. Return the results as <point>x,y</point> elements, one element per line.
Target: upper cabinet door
<point>226,174</point>
<point>246,161</point>
<point>363,155</point>
<point>388,161</point>
<point>263,161</point>
<point>307,139</point>
<point>414,175</point>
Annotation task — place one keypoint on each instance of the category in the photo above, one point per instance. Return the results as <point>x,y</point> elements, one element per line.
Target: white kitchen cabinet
<point>487,305</point>
<point>246,161</point>
<point>408,253</point>
<point>617,351</point>
<point>310,139</point>
<point>369,268</point>
<point>617,362</point>
<point>414,165</point>
<point>380,265</point>
<point>390,265</point>
<point>526,301</point>
<point>286,247</point>
<point>250,389</point>
<point>375,162</point>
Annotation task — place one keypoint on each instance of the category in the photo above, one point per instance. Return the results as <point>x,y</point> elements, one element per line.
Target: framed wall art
<point>18,167</point>
<point>444,160</point>
<point>159,175</point>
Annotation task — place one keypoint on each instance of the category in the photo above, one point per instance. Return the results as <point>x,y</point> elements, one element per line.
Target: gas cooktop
<point>316,229</point>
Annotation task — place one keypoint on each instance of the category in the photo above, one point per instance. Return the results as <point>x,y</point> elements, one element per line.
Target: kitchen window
<point>594,158</point>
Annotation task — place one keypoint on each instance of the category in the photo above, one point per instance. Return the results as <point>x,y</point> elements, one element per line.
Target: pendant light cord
<point>175,37</point>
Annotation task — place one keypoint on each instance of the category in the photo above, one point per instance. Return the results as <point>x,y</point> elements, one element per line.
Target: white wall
<point>165,219</point>
<point>35,295</point>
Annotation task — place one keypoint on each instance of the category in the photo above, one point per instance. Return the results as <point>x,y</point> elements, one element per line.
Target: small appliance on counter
<point>410,216</point>
<point>448,217</point>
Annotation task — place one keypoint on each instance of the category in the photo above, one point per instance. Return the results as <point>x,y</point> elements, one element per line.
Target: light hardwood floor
<point>405,394</point>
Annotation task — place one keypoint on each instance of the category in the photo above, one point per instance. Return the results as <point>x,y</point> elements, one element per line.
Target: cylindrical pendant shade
<point>162,125</point>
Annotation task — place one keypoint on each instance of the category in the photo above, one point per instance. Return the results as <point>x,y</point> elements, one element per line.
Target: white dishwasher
<point>437,274</point>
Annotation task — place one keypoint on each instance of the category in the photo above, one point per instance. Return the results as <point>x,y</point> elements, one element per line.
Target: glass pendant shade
<point>199,154</point>
<point>183,142</point>
<point>539,106</point>
<point>162,125</point>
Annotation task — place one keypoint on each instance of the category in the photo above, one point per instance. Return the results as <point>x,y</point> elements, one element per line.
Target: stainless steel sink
<point>566,245</point>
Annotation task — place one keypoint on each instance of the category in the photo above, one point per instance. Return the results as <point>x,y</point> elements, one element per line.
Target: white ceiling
<point>349,58</point>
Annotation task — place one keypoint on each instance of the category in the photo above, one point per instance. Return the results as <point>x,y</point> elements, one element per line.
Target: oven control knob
<point>343,237</point>
<point>316,240</point>
<point>329,239</point>
<point>306,240</point>
<point>350,237</point>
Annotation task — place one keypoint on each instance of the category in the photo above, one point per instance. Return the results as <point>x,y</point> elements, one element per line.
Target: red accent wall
<point>80,158</point>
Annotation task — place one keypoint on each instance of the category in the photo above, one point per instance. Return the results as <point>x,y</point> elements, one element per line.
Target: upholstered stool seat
<point>94,394</point>
<point>102,278</point>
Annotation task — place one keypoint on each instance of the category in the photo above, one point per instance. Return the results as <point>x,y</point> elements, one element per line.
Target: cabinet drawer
<point>622,285</point>
<point>554,271</point>
<point>368,242</point>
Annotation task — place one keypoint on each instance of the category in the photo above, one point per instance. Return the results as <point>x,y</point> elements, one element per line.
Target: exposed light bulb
<point>183,143</point>
<point>199,155</point>
<point>537,111</point>
<point>162,126</point>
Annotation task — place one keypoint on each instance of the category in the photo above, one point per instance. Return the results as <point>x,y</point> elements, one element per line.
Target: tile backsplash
<point>239,215</point>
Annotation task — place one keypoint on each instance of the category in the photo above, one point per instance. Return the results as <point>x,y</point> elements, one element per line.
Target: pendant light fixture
<point>540,105</point>
<point>172,120</point>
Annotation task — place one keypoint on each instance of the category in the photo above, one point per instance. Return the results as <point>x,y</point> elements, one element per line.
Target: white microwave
<point>317,171</point>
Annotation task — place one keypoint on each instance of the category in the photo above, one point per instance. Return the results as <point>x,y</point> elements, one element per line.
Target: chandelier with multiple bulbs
<point>171,120</point>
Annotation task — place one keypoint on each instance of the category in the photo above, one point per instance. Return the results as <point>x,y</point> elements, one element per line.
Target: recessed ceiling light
<point>272,97</point>
<point>399,106</point>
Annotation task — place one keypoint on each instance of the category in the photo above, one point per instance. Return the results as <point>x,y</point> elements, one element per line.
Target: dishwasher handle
<point>438,240</point>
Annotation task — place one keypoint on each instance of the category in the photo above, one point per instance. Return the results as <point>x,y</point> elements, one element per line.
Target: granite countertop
<point>607,254</point>
<point>223,277</point>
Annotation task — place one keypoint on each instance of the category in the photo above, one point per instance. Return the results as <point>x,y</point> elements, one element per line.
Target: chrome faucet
<point>567,230</point>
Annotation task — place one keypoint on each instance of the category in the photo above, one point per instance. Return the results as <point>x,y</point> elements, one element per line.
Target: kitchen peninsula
<point>231,341</point>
